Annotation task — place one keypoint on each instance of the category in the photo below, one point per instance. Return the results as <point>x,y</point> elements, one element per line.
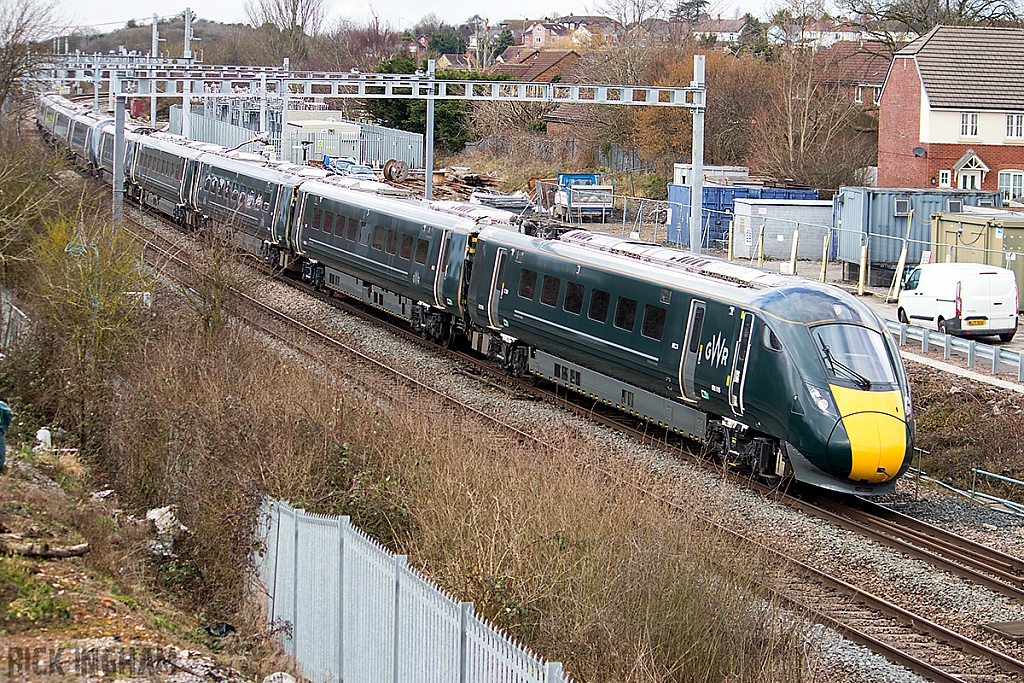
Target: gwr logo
<point>716,351</point>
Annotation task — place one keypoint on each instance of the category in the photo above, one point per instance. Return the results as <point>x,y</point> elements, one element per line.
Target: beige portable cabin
<point>994,237</point>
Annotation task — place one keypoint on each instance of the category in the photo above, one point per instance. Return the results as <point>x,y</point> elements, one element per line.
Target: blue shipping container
<point>716,216</point>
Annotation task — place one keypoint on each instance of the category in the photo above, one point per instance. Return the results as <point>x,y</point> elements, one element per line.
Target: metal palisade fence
<point>359,613</point>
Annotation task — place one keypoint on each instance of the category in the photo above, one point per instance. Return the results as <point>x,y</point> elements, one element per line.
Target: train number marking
<point>715,388</point>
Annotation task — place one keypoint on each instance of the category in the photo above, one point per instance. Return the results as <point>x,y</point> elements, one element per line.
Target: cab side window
<point>914,280</point>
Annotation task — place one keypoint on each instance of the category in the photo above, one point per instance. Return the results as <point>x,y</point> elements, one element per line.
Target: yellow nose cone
<point>878,444</point>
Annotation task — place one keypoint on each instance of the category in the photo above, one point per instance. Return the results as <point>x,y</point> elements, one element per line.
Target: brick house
<point>858,68</point>
<point>952,112</point>
<point>538,66</point>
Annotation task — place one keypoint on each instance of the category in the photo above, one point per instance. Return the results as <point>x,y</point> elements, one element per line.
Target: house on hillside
<point>538,66</point>
<point>858,68</point>
<point>725,31</point>
<point>545,34</point>
<point>417,47</point>
<point>952,112</point>
<point>463,62</point>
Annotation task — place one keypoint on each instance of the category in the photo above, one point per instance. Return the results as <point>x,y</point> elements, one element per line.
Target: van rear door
<point>1003,293</point>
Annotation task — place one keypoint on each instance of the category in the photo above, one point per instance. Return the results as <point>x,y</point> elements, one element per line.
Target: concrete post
<point>428,180</point>
<point>697,181</point>
<point>154,54</point>
<point>117,212</point>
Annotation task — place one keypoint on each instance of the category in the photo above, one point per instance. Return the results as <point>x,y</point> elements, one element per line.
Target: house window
<point>945,178</point>
<point>859,95</point>
<point>876,95</point>
<point>1011,185</point>
<point>1015,125</point>
<point>969,124</point>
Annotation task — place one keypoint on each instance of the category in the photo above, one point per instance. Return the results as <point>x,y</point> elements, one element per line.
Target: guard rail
<point>996,358</point>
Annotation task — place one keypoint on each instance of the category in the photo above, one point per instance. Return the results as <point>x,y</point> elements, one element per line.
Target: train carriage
<point>706,348</point>
<point>414,258</point>
<point>159,174</point>
<point>254,202</point>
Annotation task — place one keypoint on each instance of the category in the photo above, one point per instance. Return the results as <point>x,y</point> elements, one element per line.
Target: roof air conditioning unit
<point>956,205</point>
<point>902,207</point>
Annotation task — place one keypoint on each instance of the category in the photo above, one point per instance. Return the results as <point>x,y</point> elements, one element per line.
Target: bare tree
<point>809,131</point>
<point>351,45</point>
<point>889,20</point>
<point>289,23</point>
<point>630,13</point>
<point>22,23</point>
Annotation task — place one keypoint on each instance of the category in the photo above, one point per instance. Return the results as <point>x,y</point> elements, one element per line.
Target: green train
<point>778,375</point>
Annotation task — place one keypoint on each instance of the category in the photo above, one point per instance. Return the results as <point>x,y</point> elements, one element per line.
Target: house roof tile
<point>976,67</point>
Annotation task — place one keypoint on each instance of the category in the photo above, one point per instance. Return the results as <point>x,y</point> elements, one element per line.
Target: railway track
<point>897,633</point>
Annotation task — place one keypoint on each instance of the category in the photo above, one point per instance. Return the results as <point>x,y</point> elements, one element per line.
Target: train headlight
<point>821,400</point>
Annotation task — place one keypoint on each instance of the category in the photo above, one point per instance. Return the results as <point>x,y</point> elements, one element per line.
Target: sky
<point>106,15</point>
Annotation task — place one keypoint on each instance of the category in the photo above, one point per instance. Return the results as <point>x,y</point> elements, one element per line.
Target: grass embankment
<point>967,424</point>
<point>169,406</point>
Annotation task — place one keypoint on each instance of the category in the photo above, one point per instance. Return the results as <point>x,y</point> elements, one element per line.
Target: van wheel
<point>942,326</point>
<point>902,315</point>
<point>1006,336</point>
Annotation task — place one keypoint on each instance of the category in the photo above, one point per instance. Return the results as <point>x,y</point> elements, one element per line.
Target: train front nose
<point>870,441</point>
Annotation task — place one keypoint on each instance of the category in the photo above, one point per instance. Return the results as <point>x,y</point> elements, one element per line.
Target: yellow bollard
<point>792,254</point>
<point>824,258</point>
<point>760,249</point>
<point>730,243</point>
<point>863,270</point>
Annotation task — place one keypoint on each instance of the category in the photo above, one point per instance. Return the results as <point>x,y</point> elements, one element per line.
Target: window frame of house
<point>946,178</point>
<point>858,95</point>
<point>969,124</point>
<point>1015,126</point>
<point>1006,188</point>
<point>876,95</point>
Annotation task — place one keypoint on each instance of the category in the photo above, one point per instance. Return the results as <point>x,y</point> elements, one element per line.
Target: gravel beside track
<point>936,595</point>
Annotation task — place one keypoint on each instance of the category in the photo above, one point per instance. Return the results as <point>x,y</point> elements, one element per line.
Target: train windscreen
<point>854,354</point>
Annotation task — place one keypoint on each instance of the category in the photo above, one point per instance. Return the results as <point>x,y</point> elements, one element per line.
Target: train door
<point>738,378</point>
<point>691,350</point>
<point>497,288</point>
<point>441,269</point>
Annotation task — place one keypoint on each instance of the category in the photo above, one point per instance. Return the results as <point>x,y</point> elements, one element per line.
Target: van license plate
<point>971,323</point>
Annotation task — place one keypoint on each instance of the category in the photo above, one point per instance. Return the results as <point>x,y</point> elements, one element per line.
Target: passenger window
<point>422,248</point>
<point>698,324</point>
<point>328,225</point>
<point>318,219</point>
<point>549,291</point>
<point>574,297</point>
<point>598,306</point>
<point>528,284</point>
<point>378,238</point>
<point>353,230</point>
<point>391,246</point>
<point>770,341</point>
<point>653,326</point>
<point>913,280</point>
<point>406,251</point>
<point>625,314</point>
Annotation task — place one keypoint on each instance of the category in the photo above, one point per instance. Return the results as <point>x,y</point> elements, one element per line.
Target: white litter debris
<point>166,522</point>
<point>44,440</point>
<point>279,677</point>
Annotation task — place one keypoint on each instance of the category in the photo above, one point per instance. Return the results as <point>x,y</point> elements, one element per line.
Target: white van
<point>961,298</point>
